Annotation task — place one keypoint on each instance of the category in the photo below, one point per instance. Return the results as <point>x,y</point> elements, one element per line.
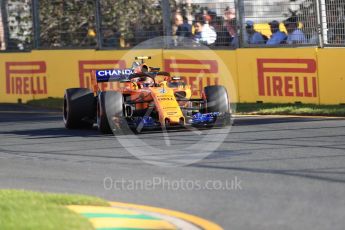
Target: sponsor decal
<point>87,66</point>
<point>287,77</point>
<point>165,99</point>
<point>24,78</point>
<point>197,73</point>
<point>113,74</point>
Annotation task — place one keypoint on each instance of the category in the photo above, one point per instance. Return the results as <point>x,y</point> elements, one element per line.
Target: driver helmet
<point>148,82</point>
<point>136,67</point>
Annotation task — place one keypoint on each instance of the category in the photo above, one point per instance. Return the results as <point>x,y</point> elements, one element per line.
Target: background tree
<point>72,23</point>
<point>66,23</point>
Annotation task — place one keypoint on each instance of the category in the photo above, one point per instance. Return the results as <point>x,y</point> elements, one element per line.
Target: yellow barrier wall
<point>331,63</point>
<point>307,75</point>
<point>204,67</point>
<point>43,74</point>
<point>278,75</point>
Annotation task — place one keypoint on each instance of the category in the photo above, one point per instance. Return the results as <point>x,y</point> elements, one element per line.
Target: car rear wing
<point>111,75</point>
<point>120,75</point>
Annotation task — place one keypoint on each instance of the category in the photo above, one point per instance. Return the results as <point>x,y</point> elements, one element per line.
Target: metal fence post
<point>320,31</point>
<point>323,21</point>
<point>98,24</point>
<point>35,23</point>
<point>167,27</point>
<point>239,7</point>
<point>2,35</point>
<point>4,15</point>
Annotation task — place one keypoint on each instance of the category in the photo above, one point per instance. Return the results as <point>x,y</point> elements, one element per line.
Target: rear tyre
<point>110,116</point>
<point>78,108</point>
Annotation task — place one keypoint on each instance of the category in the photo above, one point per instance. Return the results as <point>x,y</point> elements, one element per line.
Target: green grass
<point>49,103</point>
<point>290,109</point>
<point>35,211</point>
<point>241,108</point>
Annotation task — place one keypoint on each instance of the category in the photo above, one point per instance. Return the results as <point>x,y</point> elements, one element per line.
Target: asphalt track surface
<point>290,172</point>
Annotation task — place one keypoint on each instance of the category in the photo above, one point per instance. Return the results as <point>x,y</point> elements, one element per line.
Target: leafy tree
<point>72,23</point>
<point>66,23</point>
<point>132,20</point>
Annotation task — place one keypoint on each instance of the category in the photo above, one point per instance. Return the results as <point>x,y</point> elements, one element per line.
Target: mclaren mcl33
<point>147,99</point>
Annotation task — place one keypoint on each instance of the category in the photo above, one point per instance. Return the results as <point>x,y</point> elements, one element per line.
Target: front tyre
<point>217,101</point>
<point>110,114</point>
<point>78,108</point>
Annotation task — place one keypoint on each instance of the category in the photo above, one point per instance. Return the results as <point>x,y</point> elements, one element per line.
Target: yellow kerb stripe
<point>125,223</point>
<point>95,209</point>
<point>204,224</point>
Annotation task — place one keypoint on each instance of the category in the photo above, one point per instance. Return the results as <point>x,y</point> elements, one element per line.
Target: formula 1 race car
<point>143,102</point>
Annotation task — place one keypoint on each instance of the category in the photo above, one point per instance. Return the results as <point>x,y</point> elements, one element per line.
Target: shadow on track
<point>265,120</point>
<point>62,132</point>
<point>310,173</point>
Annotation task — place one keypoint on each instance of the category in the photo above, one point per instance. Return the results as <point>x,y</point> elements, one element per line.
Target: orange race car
<point>144,102</point>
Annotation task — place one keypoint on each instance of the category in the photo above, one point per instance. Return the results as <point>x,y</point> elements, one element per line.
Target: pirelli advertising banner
<point>278,75</point>
<point>200,68</point>
<point>331,69</point>
<point>42,74</point>
<point>307,75</point>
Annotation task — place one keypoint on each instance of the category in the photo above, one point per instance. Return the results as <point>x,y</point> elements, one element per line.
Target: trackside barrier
<point>307,75</point>
<point>331,69</point>
<point>200,68</point>
<point>42,74</point>
<point>278,75</point>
